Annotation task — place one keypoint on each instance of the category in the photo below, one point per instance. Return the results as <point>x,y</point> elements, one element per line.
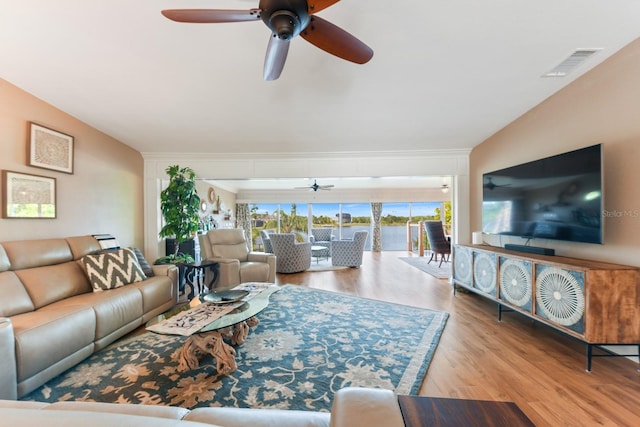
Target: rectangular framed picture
<point>50,149</point>
<point>28,196</point>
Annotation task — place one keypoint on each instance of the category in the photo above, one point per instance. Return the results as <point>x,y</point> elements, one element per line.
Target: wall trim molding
<point>451,163</point>
<point>306,155</point>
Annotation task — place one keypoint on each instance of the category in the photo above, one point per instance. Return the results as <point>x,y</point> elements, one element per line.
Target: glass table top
<point>239,314</point>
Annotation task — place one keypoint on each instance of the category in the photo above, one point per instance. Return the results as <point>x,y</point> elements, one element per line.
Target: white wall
<point>225,198</point>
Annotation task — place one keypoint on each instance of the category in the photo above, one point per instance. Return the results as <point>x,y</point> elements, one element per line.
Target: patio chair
<point>292,256</point>
<point>348,252</point>
<point>438,242</point>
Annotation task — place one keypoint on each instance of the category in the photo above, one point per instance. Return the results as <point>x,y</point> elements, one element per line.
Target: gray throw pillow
<point>144,264</point>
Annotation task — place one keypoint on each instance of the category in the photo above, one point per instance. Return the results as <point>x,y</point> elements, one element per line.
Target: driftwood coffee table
<point>212,338</point>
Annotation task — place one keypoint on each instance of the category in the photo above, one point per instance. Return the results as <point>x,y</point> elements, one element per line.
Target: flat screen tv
<point>558,197</point>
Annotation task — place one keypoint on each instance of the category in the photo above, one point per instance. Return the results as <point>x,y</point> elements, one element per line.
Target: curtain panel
<point>243,220</point>
<point>376,214</point>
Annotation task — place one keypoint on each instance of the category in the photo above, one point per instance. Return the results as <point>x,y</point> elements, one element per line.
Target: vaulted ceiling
<point>444,75</point>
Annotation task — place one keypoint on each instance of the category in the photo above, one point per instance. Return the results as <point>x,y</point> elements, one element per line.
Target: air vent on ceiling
<point>571,63</point>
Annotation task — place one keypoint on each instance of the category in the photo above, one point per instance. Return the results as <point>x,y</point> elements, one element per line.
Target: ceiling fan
<point>490,185</point>
<point>286,19</point>
<point>316,187</point>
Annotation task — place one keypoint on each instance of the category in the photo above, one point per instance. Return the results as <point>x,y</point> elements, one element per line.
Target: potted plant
<point>179,203</point>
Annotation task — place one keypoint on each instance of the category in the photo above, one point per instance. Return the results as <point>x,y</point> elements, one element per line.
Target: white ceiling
<point>445,74</point>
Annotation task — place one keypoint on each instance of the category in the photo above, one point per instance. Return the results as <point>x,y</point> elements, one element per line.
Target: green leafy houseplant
<point>179,203</point>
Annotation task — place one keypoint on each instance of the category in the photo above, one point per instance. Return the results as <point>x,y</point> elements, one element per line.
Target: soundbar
<point>530,249</point>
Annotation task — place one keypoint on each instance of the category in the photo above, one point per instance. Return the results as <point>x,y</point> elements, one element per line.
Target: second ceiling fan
<point>316,187</point>
<point>286,19</point>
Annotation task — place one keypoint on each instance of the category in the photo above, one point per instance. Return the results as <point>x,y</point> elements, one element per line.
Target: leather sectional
<point>50,317</point>
<point>352,407</point>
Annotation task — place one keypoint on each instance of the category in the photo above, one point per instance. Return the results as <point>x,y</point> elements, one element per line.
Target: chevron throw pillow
<point>112,269</point>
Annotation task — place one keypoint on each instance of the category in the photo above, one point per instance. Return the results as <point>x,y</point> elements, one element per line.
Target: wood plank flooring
<point>516,360</point>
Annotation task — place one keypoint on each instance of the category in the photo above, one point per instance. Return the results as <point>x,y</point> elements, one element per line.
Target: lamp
<point>444,188</point>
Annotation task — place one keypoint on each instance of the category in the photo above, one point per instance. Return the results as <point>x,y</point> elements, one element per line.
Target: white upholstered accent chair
<point>266,241</point>
<point>348,253</point>
<point>322,237</point>
<point>292,256</point>
<point>237,265</point>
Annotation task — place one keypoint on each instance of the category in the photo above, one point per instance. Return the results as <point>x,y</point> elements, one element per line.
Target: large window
<point>282,217</point>
<point>325,215</point>
<point>346,218</point>
<point>394,222</point>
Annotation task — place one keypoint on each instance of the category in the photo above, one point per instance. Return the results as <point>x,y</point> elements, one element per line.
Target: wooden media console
<point>596,302</point>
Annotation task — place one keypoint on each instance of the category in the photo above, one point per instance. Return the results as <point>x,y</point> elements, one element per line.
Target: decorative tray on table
<point>225,297</point>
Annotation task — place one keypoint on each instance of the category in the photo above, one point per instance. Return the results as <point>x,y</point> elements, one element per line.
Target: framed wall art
<point>50,149</point>
<point>28,196</point>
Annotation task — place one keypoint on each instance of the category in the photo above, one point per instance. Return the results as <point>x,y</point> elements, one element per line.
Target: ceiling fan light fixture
<point>444,188</point>
<point>286,19</point>
<point>284,24</point>
<point>315,186</point>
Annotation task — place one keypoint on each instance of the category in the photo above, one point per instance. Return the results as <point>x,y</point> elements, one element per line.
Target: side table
<point>194,273</point>
<point>420,411</point>
<point>318,252</point>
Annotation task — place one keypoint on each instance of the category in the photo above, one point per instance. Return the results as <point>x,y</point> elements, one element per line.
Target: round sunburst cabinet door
<point>462,265</point>
<point>484,272</point>
<point>560,296</point>
<point>516,282</point>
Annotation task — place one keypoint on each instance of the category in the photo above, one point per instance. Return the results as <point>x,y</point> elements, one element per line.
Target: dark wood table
<point>419,411</point>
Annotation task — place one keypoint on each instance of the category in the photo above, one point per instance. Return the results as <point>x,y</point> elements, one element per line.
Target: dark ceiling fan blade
<point>336,41</point>
<point>315,6</point>
<point>208,16</point>
<point>276,56</point>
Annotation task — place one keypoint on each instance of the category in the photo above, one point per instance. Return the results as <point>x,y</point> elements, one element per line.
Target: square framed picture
<point>50,149</point>
<point>28,196</point>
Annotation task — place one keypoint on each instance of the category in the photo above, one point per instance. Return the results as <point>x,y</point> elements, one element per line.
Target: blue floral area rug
<point>309,344</point>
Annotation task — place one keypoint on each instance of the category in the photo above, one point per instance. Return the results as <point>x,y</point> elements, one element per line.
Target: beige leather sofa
<point>50,318</point>
<point>352,407</point>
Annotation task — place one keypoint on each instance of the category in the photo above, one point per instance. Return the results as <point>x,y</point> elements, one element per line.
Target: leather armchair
<point>293,257</point>
<point>348,253</point>
<point>229,248</point>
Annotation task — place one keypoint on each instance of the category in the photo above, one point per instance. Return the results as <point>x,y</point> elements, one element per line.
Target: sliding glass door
<point>347,218</point>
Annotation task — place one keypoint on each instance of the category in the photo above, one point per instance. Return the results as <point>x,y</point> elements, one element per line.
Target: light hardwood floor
<point>516,360</point>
